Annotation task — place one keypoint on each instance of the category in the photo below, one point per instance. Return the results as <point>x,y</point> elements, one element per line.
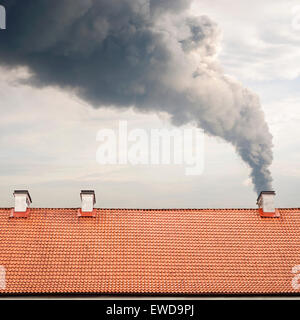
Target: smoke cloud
<point>150,54</point>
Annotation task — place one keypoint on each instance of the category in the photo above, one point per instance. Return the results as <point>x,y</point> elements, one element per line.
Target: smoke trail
<point>150,54</point>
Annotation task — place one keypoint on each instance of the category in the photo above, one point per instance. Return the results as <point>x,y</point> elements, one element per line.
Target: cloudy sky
<point>48,132</point>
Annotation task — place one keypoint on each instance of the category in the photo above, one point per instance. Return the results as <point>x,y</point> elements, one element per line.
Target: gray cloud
<point>147,53</point>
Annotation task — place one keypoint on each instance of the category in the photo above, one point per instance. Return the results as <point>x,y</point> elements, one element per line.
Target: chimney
<point>266,205</point>
<point>22,203</point>
<point>88,200</point>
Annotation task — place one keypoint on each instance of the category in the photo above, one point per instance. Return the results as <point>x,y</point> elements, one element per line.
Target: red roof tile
<point>150,251</point>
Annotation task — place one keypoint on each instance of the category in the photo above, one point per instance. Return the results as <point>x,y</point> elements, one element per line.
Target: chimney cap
<point>88,192</point>
<point>23,192</point>
<point>266,192</point>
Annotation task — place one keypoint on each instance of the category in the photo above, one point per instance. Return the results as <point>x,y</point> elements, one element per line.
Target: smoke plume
<point>150,54</point>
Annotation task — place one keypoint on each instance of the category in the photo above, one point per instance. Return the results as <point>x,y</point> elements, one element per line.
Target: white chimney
<point>88,200</point>
<point>22,200</point>
<point>266,204</point>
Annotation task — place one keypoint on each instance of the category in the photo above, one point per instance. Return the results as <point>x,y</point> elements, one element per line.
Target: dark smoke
<point>151,54</point>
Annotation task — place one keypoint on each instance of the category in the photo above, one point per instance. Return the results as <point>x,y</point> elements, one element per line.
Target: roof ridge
<point>153,209</point>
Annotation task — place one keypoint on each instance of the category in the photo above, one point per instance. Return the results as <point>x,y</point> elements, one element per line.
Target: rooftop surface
<point>171,251</point>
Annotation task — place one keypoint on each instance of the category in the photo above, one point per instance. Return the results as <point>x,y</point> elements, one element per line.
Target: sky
<point>48,134</point>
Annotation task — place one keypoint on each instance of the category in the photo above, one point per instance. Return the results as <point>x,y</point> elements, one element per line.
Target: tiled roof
<point>150,252</point>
